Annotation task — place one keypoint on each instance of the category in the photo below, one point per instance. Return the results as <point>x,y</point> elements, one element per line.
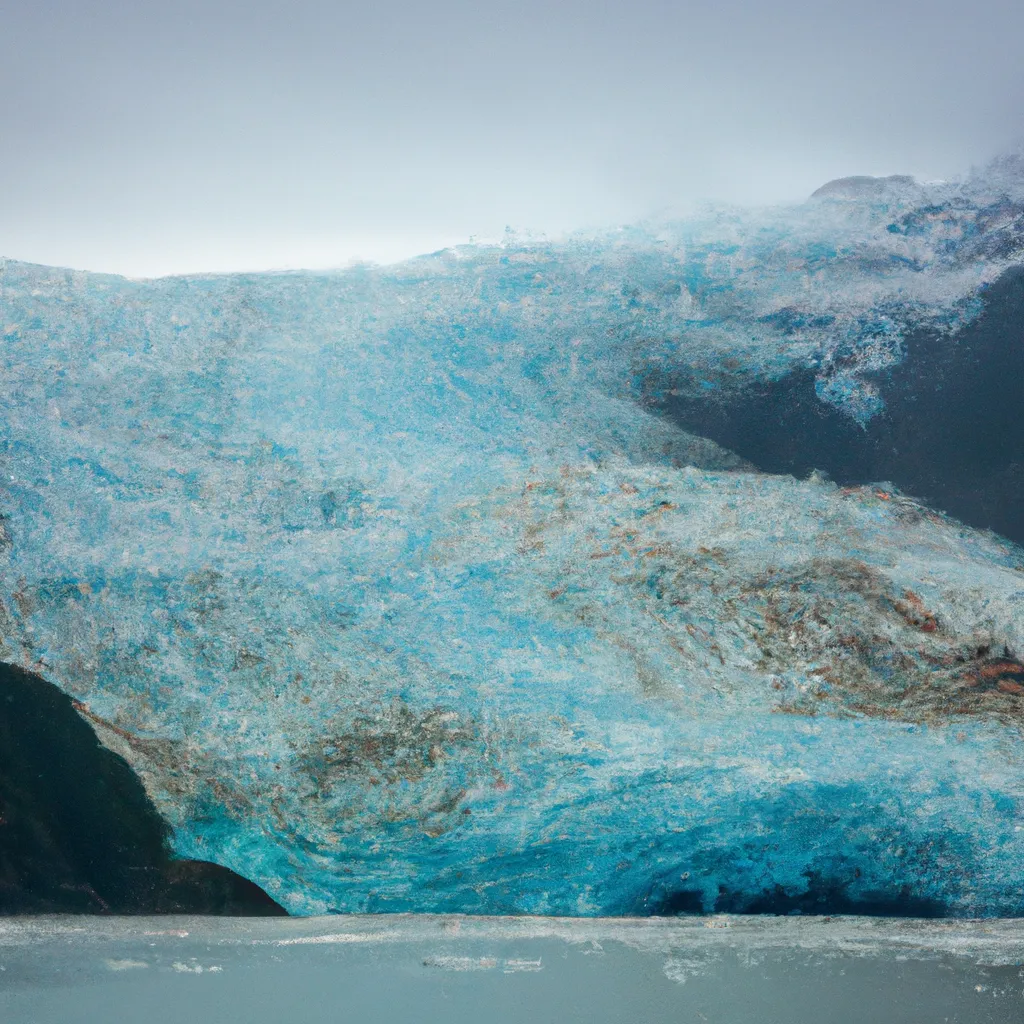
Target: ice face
<point>397,595</point>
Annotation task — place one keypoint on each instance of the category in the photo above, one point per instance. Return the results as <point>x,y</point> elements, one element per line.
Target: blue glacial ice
<point>398,593</point>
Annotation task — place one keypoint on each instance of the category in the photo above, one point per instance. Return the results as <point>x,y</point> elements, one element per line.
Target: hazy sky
<point>148,138</point>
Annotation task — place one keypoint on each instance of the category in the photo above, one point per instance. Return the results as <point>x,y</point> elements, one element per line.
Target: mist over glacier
<point>461,585</point>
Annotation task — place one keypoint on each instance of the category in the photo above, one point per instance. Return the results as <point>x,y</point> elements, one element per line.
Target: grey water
<point>422,968</point>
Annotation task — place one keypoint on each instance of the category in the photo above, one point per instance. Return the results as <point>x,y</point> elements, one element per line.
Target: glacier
<point>419,588</point>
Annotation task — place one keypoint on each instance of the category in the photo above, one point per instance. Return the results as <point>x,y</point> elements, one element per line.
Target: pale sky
<point>194,135</point>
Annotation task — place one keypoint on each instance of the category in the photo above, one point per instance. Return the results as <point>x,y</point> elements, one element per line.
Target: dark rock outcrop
<point>78,834</point>
<point>951,433</point>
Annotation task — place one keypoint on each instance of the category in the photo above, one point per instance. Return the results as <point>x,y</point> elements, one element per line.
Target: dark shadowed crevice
<point>951,435</point>
<point>820,896</point>
<point>830,897</point>
<point>78,833</point>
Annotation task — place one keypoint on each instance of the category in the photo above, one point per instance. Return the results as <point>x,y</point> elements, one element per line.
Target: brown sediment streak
<point>85,712</point>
